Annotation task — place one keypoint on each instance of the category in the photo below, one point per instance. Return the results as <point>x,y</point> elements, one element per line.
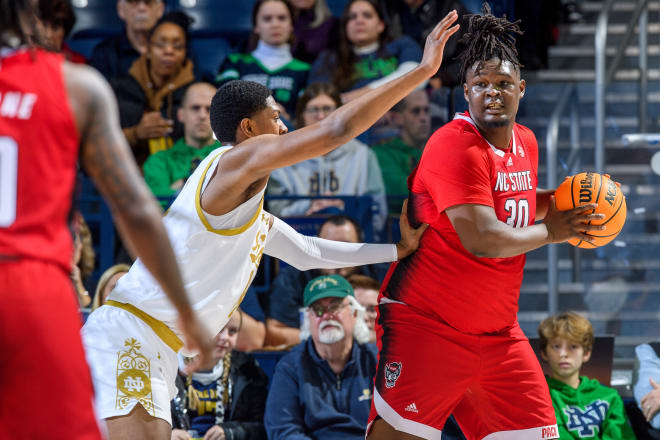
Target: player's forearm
<point>361,113</point>
<point>503,241</point>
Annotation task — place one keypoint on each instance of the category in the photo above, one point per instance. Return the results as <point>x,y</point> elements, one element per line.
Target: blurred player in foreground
<point>53,114</point>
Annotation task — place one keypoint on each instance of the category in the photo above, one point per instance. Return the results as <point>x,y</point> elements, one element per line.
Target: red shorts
<point>44,378</point>
<point>427,370</point>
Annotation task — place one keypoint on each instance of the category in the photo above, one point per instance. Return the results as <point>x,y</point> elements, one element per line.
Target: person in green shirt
<point>167,171</point>
<point>400,155</point>
<point>584,408</point>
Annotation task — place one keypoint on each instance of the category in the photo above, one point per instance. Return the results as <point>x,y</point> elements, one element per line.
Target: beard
<point>497,124</point>
<point>331,335</point>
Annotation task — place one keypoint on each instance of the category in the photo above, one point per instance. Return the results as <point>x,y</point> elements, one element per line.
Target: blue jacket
<point>307,400</point>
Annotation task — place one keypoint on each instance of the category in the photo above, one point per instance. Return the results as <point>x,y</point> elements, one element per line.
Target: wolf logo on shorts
<point>392,373</point>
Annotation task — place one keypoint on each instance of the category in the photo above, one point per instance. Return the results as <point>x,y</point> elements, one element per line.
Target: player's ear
<point>246,126</point>
<point>523,86</point>
<point>465,92</point>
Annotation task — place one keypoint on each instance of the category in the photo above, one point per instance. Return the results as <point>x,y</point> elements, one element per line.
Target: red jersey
<point>459,166</point>
<point>38,154</point>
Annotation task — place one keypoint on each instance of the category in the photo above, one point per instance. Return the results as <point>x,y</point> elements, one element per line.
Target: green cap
<point>326,286</point>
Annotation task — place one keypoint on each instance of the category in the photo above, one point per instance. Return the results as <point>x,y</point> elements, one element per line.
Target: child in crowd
<point>584,408</point>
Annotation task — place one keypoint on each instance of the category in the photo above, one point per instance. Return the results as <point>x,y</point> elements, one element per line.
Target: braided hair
<point>489,37</point>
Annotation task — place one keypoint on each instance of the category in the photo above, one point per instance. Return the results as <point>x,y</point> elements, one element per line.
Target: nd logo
<point>134,383</point>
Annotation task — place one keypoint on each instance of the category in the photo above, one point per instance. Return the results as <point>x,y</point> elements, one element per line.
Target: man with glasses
<point>324,386</point>
<point>400,155</point>
<point>114,56</point>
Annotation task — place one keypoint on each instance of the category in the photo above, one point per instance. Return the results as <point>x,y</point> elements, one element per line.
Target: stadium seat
<point>336,6</point>
<point>229,19</point>
<point>208,53</point>
<point>96,18</point>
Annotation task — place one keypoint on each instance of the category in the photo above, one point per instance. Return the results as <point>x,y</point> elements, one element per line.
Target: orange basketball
<point>585,188</point>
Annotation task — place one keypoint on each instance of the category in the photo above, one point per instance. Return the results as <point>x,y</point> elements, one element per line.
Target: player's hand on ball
<point>196,338</point>
<point>573,223</point>
<point>409,236</point>
<point>436,40</point>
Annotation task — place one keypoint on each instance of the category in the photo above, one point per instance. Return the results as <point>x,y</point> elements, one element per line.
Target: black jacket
<point>245,419</point>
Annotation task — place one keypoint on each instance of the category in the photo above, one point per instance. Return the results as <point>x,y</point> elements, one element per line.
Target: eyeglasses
<point>417,110</point>
<point>162,45</point>
<point>317,110</point>
<point>333,308</point>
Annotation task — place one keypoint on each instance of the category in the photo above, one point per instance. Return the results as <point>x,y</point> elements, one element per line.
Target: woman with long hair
<point>365,57</point>
<point>269,60</point>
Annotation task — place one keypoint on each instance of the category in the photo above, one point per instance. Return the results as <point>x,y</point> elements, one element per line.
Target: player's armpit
<point>542,201</point>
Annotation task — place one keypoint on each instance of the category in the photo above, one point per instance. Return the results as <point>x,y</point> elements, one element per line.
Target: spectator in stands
<point>416,19</point>
<point>366,292</point>
<point>323,388</point>
<point>365,56</point>
<point>350,170</point>
<point>83,259</point>
<point>646,385</point>
<point>286,296</point>
<point>399,156</point>
<point>150,95</point>
<point>315,29</point>
<point>107,282</point>
<point>167,171</point>
<point>226,398</point>
<point>114,56</point>
<point>53,24</point>
<point>584,408</point>
<point>269,61</point>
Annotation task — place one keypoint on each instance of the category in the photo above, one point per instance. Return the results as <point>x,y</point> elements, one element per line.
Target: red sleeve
<point>455,170</point>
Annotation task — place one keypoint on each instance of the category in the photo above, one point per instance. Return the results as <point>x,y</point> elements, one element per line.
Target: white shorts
<point>130,364</point>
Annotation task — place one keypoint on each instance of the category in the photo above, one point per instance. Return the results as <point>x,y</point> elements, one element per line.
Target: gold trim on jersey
<point>200,212</point>
<point>162,330</point>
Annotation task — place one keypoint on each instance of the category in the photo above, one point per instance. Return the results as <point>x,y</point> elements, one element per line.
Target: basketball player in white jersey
<point>219,232</point>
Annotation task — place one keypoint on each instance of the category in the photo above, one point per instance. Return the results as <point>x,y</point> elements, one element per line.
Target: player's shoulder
<point>525,132</point>
<point>459,134</point>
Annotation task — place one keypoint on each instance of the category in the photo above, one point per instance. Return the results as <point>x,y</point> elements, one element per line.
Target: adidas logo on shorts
<point>412,408</point>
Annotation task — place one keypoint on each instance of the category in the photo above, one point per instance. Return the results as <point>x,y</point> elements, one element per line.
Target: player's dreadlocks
<point>489,37</point>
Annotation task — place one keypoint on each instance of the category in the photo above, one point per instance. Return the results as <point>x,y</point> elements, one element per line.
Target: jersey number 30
<point>518,211</point>
<point>8,175</point>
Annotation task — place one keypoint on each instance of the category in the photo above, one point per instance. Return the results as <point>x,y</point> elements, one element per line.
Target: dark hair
<point>341,219</point>
<point>489,37</point>
<point>179,18</point>
<point>254,38</point>
<point>11,31</point>
<point>344,67</point>
<point>312,91</point>
<point>233,102</point>
<point>57,13</point>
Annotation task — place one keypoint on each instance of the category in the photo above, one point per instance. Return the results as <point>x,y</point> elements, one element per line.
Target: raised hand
<point>436,40</point>
<point>409,236</point>
<point>573,223</point>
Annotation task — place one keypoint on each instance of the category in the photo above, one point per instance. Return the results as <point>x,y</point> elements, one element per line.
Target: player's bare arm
<point>484,235</point>
<point>542,202</point>
<point>247,167</point>
<point>107,158</point>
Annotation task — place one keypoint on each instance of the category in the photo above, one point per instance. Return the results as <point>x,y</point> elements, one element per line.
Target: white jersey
<point>218,255</point>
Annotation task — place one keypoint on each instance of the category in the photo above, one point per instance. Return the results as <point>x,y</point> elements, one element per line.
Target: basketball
<point>585,188</point>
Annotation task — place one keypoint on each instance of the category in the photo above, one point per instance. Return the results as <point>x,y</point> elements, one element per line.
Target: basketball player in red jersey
<point>53,113</point>
<point>449,340</point>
